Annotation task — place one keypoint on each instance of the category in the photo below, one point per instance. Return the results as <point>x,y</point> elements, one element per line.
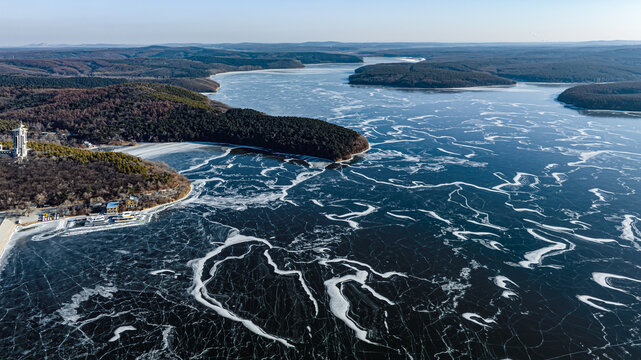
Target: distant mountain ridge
<point>186,66</point>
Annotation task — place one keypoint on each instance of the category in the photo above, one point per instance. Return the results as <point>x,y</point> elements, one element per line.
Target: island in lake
<point>474,65</point>
<point>623,96</point>
<point>425,75</point>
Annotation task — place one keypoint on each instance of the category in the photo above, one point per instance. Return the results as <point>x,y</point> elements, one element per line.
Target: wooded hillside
<point>57,175</point>
<point>145,112</point>
<point>186,66</point>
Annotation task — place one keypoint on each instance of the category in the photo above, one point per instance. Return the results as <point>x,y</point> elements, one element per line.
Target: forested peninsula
<point>424,75</point>
<point>623,96</point>
<point>149,112</point>
<point>61,176</point>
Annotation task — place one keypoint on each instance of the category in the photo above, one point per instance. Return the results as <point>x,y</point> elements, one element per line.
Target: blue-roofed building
<point>112,207</point>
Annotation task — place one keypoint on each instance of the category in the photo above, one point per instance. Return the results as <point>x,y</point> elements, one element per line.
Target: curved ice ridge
<point>518,181</point>
<point>448,152</point>
<point>590,301</point>
<point>599,194</point>
<point>405,217</point>
<point>384,275</point>
<point>569,231</point>
<point>629,231</point>
<point>162,271</point>
<point>435,216</point>
<point>488,224</point>
<point>603,280</point>
<point>199,289</point>
<point>524,209</point>
<point>588,155</point>
<point>297,273</point>
<point>206,162</point>
<point>478,319</point>
<point>119,331</point>
<point>502,282</point>
<point>299,179</point>
<point>348,218</point>
<point>461,235</point>
<point>339,305</point>
<point>537,256</point>
<point>418,185</point>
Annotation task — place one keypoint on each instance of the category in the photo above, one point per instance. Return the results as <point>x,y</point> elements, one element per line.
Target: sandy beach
<point>7,227</point>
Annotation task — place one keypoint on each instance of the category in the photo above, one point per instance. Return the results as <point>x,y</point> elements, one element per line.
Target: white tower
<point>20,142</point>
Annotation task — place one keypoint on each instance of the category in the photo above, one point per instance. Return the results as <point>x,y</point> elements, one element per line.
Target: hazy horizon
<point>426,43</point>
<point>72,22</point>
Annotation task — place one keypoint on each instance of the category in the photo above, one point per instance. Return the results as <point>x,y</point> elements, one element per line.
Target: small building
<point>131,203</point>
<point>5,152</point>
<point>112,207</point>
<point>20,149</point>
<point>49,216</point>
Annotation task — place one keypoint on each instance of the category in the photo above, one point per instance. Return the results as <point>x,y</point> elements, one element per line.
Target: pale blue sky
<point>148,22</point>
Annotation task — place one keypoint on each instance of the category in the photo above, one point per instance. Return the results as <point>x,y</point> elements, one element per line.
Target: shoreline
<point>210,79</point>
<point>438,89</point>
<point>9,227</point>
<point>307,158</point>
<point>630,113</point>
<point>351,157</point>
<point>305,66</point>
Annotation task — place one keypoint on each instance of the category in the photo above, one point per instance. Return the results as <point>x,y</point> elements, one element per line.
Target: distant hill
<point>57,175</point>
<point>85,82</point>
<point>186,66</point>
<point>178,52</point>
<point>146,112</point>
<point>625,96</point>
<point>568,71</point>
<point>424,75</point>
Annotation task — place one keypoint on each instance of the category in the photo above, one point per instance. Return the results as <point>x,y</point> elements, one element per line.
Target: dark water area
<point>489,223</point>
